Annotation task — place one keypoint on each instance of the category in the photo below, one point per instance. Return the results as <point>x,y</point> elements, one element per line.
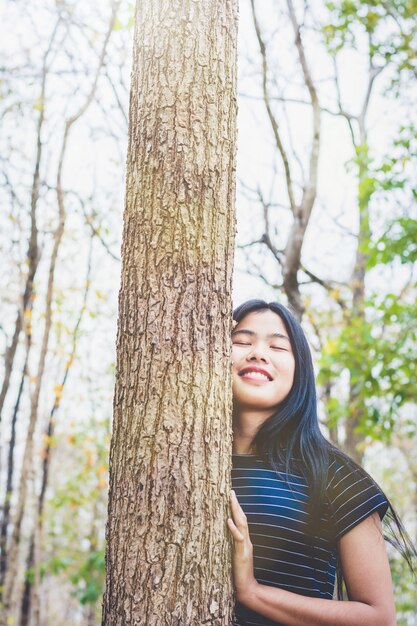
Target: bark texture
<point>168,554</point>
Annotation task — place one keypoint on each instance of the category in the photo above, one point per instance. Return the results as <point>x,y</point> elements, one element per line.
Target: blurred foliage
<point>404,590</point>
<point>391,26</point>
<point>380,351</point>
<point>398,242</point>
<point>74,534</point>
<point>89,579</point>
<point>380,357</point>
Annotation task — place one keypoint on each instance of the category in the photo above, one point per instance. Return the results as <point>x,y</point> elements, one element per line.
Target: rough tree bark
<point>168,552</point>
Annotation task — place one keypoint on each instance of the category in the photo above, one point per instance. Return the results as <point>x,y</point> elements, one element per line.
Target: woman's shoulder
<point>351,493</point>
<point>342,468</point>
<point>340,465</point>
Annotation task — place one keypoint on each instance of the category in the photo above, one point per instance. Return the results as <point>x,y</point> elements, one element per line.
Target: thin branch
<point>249,244</point>
<point>117,98</point>
<point>94,230</point>
<point>374,72</point>
<point>251,190</point>
<point>291,142</point>
<point>259,274</point>
<point>330,286</point>
<point>285,100</point>
<point>342,111</point>
<point>310,189</point>
<point>272,119</point>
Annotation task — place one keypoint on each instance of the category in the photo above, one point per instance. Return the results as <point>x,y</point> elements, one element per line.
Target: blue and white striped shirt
<point>287,553</point>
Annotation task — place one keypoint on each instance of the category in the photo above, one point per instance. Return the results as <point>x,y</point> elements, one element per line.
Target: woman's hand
<point>244,579</point>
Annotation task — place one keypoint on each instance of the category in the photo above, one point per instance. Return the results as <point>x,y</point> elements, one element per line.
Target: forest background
<point>327,221</point>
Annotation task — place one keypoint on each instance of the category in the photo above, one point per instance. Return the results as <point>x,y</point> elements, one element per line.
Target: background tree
<point>42,73</point>
<point>168,552</point>
<point>385,47</point>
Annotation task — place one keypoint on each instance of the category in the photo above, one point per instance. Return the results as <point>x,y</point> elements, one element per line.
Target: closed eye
<point>278,348</point>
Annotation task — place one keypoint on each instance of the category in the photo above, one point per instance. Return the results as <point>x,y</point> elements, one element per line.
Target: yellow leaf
<point>38,105</point>
<point>89,457</point>
<point>58,393</point>
<point>102,469</point>
<point>330,347</point>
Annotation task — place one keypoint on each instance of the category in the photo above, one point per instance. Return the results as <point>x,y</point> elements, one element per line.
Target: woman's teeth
<point>256,375</point>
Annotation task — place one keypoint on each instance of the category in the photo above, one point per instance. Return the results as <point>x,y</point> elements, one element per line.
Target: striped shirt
<point>286,552</point>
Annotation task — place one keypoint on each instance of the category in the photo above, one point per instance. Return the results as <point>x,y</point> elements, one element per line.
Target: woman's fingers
<point>237,535</point>
<point>238,515</point>
<point>238,526</point>
<point>242,561</point>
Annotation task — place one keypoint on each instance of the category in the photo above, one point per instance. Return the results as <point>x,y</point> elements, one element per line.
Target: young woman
<point>300,509</point>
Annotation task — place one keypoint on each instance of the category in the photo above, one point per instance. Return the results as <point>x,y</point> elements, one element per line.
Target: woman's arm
<point>365,569</point>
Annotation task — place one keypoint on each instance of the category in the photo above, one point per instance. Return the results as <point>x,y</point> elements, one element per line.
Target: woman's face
<point>263,363</point>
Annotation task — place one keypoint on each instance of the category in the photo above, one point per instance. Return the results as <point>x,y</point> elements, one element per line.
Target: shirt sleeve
<point>353,496</point>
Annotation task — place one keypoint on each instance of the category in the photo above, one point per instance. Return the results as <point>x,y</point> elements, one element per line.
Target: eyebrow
<point>251,333</point>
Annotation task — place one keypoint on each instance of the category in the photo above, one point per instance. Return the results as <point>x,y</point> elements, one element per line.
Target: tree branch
<point>272,119</point>
<point>310,189</point>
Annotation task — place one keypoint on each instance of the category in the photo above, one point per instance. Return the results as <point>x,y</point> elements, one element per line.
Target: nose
<point>257,354</point>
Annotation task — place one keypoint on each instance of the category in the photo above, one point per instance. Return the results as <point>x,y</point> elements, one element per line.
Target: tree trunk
<point>30,596</point>
<point>357,314</point>
<point>4,527</point>
<point>10,586</point>
<point>168,551</point>
<point>32,563</point>
<point>28,585</point>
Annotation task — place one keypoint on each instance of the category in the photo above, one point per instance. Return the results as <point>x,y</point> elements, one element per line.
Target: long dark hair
<point>292,436</point>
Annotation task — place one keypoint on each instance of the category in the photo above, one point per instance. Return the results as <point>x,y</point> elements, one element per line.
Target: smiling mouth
<point>255,375</point>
